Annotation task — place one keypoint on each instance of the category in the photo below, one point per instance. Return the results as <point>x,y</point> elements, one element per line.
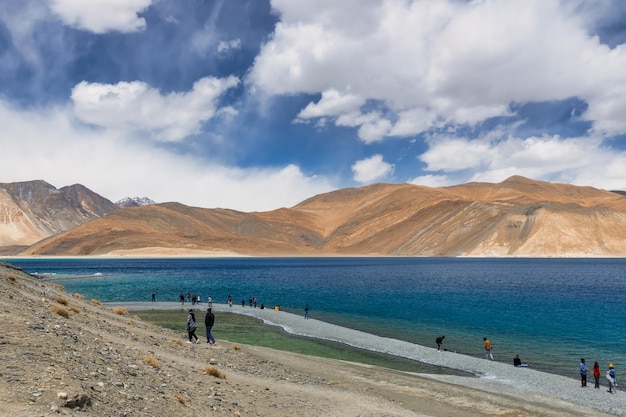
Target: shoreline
<point>494,377</point>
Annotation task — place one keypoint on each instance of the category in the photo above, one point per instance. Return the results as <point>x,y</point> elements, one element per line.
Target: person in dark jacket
<point>439,341</point>
<point>191,327</point>
<point>209,320</point>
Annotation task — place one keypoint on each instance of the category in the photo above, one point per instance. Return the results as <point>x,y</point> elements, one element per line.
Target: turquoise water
<point>550,311</point>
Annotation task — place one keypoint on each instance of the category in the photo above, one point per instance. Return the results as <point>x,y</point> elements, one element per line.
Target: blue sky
<point>255,105</point>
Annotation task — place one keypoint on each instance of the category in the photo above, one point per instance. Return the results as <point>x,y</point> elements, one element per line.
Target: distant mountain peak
<point>135,202</point>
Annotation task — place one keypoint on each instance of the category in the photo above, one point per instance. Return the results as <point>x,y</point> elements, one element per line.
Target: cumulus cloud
<point>498,155</point>
<point>112,164</point>
<point>434,63</point>
<point>332,103</point>
<point>137,106</point>
<point>371,169</point>
<point>101,16</point>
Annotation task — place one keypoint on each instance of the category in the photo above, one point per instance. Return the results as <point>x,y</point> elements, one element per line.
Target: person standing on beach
<point>182,299</point>
<point>439,341</point>
<point>306,311</point>
<point>153,297</point>
<point>230,300</point>
<point>583,373</point>
<point>610,376</point>
<point>487,343</point>
<point>210,301</point>
<point>596,374</point>
<point>191,327</point>
<point>209,320</point>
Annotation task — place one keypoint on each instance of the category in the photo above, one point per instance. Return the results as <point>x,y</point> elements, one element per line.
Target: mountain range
<point>517,217</point>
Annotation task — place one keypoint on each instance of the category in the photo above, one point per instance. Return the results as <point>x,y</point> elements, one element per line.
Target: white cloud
<point>112,164</point>
<point>137,106</point>
<point>332,103</point>
<point>101,16</point>
<point>499,155</point>
<point>438,62</point>
<point>431,181</point>
<point>371,169</point>
<point>224,47</point>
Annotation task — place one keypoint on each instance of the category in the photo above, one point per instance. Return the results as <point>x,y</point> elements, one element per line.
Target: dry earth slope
<point>517,217</point>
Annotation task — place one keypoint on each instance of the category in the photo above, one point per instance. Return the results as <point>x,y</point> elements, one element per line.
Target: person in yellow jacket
<point>487,344</point>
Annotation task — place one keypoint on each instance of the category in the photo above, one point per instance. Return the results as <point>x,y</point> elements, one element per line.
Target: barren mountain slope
<point>33,210</point>
<point>173,226</point>
<point>521,190</point>
<point>518,217</point>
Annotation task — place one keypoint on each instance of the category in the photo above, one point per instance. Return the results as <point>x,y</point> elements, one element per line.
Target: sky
<point>254,105</point>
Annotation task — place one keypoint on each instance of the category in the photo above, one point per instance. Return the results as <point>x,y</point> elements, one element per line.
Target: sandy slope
<point>96,363</point>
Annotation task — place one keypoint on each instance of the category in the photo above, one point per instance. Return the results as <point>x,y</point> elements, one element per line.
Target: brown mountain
<point>33,210</point>
<point>517,217</point>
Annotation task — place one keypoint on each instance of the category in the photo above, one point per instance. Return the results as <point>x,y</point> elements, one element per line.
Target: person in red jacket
<point>596,374</point>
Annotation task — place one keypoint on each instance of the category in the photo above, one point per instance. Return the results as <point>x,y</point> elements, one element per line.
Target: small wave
<point>98,274</point>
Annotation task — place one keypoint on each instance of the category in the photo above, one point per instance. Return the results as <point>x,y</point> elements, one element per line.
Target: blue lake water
<point>550,311</point>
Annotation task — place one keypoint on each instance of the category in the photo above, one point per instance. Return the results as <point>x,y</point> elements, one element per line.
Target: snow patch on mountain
<point>135,202</point>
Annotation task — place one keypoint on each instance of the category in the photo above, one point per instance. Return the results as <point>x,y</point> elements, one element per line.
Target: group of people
<point>209,320</point>
<point>610,375</point>
<point>193,299</point>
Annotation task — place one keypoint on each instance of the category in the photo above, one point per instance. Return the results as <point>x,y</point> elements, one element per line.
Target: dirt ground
<point>101,363</point>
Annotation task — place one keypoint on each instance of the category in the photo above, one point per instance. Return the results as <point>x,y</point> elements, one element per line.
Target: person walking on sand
<point>191,327</point>
<point>439,341</point>
<point>610,376</point>
<point>209,320</point>
<point>583,373</point>
<point>230,300</point>
<point>306,311</point>
<point>487,343</point>
<point>596,374</point>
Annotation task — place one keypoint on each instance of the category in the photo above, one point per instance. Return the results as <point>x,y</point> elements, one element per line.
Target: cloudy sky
<point>260,104</point>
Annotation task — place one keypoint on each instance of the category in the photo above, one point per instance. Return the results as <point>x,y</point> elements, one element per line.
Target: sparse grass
<point>236,347</point>
<point>77,295</point>
<point>120,310</point>
<point>181,398</point>
<point>62,300</point>
<point>213,371</point>
<point>96,302</point>
<point>177,342</point>
<point>75,309</point>
<point>58,286</point>
<point>61,311</point>
<point>151,360</point>
<point>11,278</point>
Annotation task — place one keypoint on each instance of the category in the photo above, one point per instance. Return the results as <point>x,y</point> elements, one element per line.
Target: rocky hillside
<point>517,217</point>
<point>33,210</point>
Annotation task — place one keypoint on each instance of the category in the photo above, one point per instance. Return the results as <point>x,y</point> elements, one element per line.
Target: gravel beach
<point>495,377</point>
